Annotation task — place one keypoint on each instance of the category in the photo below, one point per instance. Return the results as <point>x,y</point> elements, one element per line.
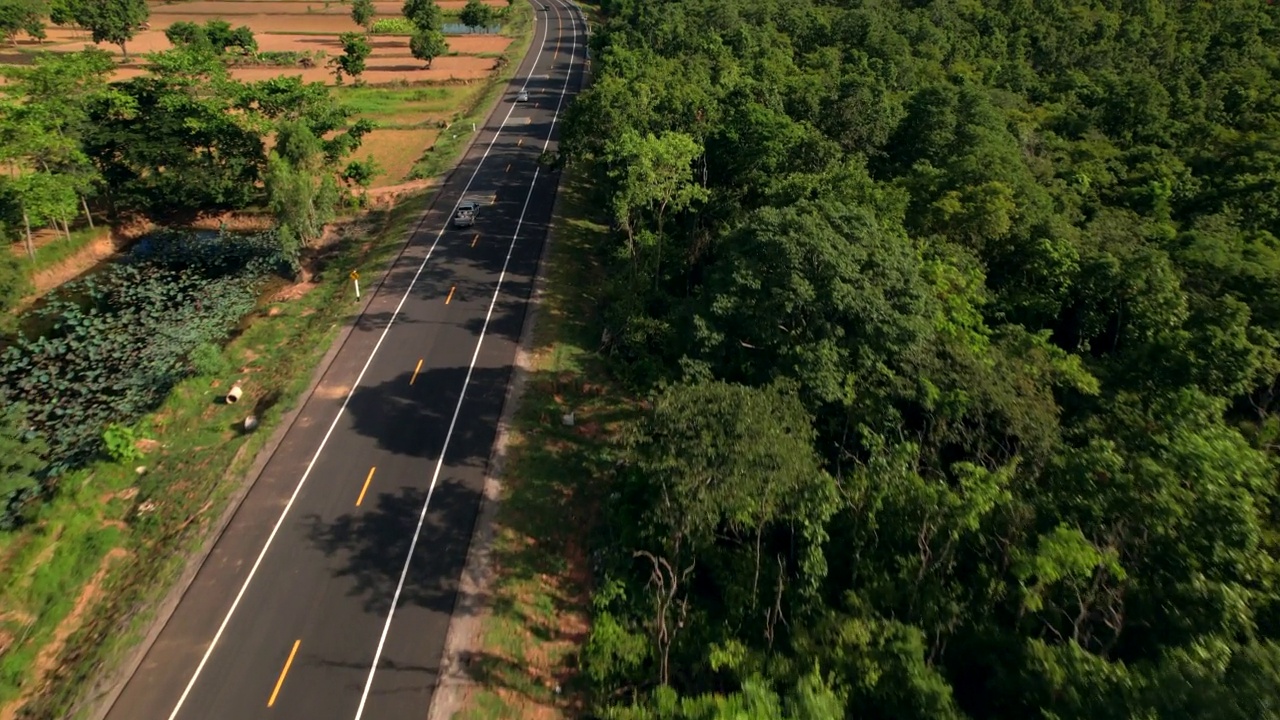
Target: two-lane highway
<point>330,592</point>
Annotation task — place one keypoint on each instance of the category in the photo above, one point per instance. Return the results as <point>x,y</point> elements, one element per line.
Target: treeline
<point>960,322</point>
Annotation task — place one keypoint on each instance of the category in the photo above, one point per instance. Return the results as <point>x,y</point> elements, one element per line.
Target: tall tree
<point>19,16</point>
<point>112,21</point>
<point>363,12</point>
<point>427,45</point>
<point>424,14</point>
<point>476,14</point>
<point>172,145</point>
<point>355,51</point>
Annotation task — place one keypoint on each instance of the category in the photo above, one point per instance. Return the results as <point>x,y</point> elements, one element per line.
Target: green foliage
<point>393,26</point>
<point>476,14</point>
<point>1017,264</point>
<point>112,345</point>
<point>355,51</point>
<point>216,36</point>
<point>22,16</point>
<point>111,21</point>
<point>361,172</point>
<point>362,13</point>
<point>202,149</point>
<point>427,45</point>
<point>120,443</point>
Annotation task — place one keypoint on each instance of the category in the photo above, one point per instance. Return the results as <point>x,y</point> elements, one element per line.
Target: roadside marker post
<point>355,278</point>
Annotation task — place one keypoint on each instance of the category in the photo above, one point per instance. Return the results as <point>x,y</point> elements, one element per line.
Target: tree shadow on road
<point>374,543</point>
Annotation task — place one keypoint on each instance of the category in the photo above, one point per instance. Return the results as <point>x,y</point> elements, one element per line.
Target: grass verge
<point>452,140</point>
<point>538,616</point>
<point>79,586</point>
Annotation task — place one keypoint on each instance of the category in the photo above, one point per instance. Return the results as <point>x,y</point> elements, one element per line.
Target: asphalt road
<point>329,594</point>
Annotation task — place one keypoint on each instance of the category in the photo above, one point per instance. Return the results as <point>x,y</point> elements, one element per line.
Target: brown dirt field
<point>49,653</point>
<point>61,40</point>
<point>386,71</point>
<point>383,45</point>
<point>456,5</point>
<point>295,23</point>
<point>475,44</point>
<point>396,151</point>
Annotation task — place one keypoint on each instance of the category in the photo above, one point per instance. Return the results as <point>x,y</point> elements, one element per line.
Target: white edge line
<point>307,473</point>
<point>457,410</point>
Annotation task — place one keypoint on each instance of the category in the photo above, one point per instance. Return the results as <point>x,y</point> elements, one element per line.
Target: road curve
<point>329,594</point>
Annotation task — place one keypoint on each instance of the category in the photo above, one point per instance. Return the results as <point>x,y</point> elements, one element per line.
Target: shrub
<point>120,443</point>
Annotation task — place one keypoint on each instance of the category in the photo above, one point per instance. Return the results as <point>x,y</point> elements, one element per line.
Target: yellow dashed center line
<point>446,300</point>
<point>360,499</point>
<point>284,672</point>
<point>415,371</point>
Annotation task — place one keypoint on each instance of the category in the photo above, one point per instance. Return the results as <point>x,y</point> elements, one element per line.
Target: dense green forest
<point>959,322</point>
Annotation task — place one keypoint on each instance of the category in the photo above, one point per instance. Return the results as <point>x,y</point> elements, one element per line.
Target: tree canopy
<point>960,325</point>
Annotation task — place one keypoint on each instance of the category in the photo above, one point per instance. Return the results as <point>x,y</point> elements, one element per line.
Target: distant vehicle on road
<point>522,97</point>
<point>466,214</point>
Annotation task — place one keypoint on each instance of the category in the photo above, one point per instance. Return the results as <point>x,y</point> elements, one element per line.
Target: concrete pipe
<point>233,396</point>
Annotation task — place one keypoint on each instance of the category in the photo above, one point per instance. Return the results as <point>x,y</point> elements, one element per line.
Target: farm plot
<point>308,26</point>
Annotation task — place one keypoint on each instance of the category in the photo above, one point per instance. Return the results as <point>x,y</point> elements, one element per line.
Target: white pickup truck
<point>465,216</point>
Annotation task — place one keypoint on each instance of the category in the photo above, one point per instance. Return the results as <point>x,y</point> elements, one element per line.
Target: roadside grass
<point>538,615</point>
<point>403,106</point>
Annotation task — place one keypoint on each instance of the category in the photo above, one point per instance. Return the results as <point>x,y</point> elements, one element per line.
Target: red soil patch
<point>261,23</point>
<point>476,44</point>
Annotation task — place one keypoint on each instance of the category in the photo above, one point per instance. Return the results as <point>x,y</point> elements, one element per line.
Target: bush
<point>120,443</point>
<point>393,26</point>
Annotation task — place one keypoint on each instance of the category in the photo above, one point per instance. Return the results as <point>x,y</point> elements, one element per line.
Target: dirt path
<point>73,267</point>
